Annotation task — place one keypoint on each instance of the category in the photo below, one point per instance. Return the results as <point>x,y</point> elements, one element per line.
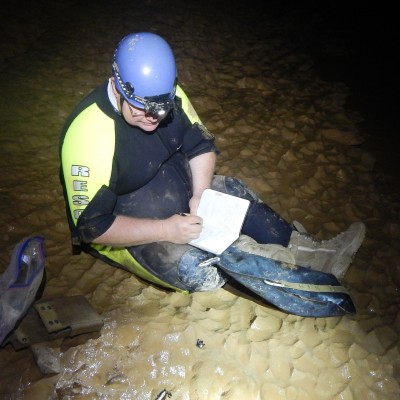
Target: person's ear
<point>114,89</point>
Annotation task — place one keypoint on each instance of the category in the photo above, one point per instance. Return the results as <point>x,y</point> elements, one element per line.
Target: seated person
<point>135,156</point>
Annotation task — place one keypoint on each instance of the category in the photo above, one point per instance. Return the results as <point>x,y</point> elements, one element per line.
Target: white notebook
<point>223,217</point>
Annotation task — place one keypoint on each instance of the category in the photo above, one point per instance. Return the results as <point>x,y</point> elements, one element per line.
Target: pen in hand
<point>185,215</point>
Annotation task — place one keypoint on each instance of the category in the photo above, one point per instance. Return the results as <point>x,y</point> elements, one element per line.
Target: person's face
<point>135,116</point>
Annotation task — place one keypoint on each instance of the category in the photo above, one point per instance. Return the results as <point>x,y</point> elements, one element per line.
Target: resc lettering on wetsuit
<point>79,186</point>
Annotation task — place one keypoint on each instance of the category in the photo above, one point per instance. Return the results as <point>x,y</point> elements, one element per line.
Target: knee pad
<point>234,187</point>
<point>199,278</point>
<point>178,265</point>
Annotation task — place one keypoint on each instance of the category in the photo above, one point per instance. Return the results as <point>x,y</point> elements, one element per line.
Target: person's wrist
<point>163,231</point>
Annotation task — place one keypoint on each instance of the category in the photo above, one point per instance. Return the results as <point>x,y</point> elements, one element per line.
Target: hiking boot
<point>331,256</point>
<point>274,251</point>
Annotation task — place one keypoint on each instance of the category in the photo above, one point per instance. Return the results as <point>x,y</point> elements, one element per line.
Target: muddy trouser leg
<point>168,193</point>
<point>178,265</point>
<point>175,264</point>
<point>262,223</point>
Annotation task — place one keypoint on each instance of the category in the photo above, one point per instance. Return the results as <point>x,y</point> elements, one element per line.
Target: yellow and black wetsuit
<point>109,167</point>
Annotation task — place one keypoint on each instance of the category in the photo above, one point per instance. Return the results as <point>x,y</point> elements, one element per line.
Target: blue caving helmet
<point>145,72</point>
